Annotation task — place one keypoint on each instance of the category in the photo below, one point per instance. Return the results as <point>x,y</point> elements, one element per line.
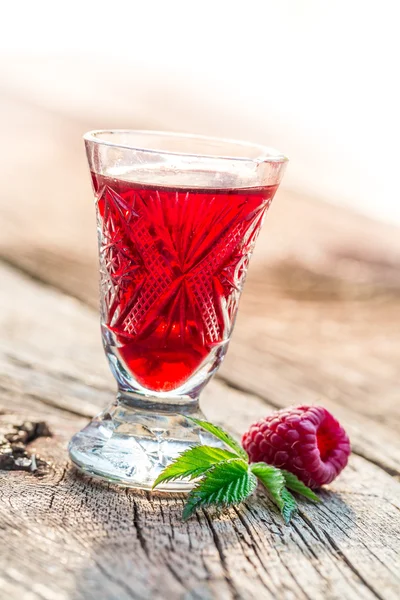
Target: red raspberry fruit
<point>305,440</point>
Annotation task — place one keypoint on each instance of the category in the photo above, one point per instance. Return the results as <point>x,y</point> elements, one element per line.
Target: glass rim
<point>267,153</point>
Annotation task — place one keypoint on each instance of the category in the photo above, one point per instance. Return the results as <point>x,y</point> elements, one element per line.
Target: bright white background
<point>317,79</point>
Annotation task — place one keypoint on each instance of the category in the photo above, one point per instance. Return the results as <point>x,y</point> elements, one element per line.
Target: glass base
<point>134,439</point>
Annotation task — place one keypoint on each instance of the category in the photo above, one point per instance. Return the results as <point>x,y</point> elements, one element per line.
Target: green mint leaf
<point>224,484</point>
<point>271,477</point>
<point>294,484</point>
<point>193,463</point>
<point>288,505</point>
<point>223,436</point>
<point>274,481</point>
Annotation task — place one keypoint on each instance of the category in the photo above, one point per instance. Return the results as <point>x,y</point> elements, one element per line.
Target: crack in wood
<point>348,562</point>
<point>136,522</point>
<point>376,462</point>
<point>254,546</point>
<point>368,545</point>
<point>60,375</point>
<point>117,581</point>
<point>221,555</point>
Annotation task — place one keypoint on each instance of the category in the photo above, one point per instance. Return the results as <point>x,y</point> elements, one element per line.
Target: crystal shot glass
<point>177,220</point>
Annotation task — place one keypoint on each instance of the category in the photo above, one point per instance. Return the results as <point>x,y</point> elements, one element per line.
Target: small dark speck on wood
<point>14,455</point>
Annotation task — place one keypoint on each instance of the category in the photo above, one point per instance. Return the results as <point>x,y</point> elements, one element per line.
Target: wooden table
<point>319,322</point>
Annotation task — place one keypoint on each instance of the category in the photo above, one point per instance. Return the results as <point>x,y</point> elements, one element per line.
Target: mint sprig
<point>227,478</point>
<point>274,480</point>
<point>222,435</point>
<point>224,484</point>
<point>294,484</point>
<point>192,463</point>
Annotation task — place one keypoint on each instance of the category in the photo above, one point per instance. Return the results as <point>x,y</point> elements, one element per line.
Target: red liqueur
<point>172,263</point>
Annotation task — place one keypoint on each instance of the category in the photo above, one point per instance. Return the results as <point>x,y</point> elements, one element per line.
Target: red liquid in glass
<point>172,264</point>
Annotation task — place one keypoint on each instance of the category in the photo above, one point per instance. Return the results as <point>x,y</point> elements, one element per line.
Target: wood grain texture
<point>319,321</point>
<point>68,537</point>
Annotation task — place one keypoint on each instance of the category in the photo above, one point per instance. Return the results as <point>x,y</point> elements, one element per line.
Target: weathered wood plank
<point>284,351</point>
<point>68,537</point>
<point>319,321</point>
<point>320,275</point>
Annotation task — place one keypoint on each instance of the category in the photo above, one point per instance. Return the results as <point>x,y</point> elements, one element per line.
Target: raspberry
<point>305,440</point>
